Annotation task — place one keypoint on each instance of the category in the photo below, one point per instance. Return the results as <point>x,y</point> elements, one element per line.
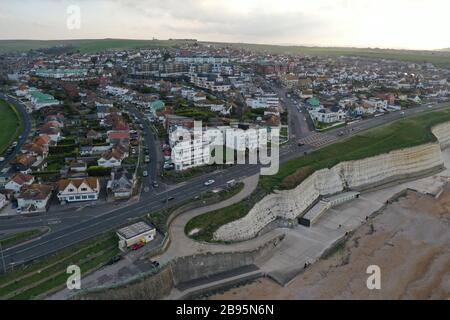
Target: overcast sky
<point>414,24</point>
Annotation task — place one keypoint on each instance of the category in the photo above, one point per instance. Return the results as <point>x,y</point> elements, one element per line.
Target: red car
<point>137,246</point>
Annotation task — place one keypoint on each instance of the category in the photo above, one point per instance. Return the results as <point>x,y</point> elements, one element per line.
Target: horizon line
<point>239,42</point>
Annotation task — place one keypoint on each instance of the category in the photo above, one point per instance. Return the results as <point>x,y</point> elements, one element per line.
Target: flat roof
<point>135,230</point>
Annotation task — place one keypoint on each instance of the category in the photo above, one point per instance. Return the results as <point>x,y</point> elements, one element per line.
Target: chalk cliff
<point>356,175</point>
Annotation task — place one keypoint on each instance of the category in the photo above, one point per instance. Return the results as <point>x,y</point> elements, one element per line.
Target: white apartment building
<point>201,60</point>
<point>263,101</point>
<point>194,148</point>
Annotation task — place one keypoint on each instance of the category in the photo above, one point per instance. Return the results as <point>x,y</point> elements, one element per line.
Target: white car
<point>145,174</point>
<point>2,159</point>
<point>209,182</point>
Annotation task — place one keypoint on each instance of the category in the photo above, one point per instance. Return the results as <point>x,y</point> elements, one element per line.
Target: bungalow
<point>115,137</point>
<point>23,163</point>
<point>94,135</point>
<point>120,185</point>
<point>111,159</point>
<point>103,110</point>
<point>34,198</point>
<point>43,140</point>
<point>78,166</point>
<point>18,181</point>
<point>53,133</point>
<point>75,190</point>
<point>35,149</point>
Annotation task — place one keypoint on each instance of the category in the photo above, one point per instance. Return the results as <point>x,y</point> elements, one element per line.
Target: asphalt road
<point>72,227</point>
<point>22,109</point>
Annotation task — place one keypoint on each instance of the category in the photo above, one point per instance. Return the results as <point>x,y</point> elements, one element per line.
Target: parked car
<point>147,159</point>
<point>155,184</point>
<point>209,182</point>
<point>114,260</point>
<point>341,133</point>
<point>145,173</point>
<point>137,246</point>
<point>155,264</point>
<point>2,159</point>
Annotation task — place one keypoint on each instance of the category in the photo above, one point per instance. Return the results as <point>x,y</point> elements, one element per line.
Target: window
<point>77,198</point>
<point>85,197</point>
<point>83,189</point>
<point>71,190</point>
<point>91,196</point>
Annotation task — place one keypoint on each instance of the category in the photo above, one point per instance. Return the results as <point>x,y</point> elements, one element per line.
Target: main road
<point>73,227</point>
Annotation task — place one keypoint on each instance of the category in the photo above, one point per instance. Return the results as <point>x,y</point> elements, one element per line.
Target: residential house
<point>121,185</point>
<point>111,159</point>
<point>23,163</point>
<point>34,198</point>
<point>115,137</point>
<point>76,190</point>
<point>18,181</point>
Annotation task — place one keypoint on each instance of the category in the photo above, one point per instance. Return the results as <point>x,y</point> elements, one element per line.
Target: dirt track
<point>410,241</point>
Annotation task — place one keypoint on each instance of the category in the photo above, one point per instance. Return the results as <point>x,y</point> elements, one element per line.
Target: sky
<point>407,24</point>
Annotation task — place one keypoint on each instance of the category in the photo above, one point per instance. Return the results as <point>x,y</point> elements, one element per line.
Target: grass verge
<point>37,279</point>
<point>20,237</point>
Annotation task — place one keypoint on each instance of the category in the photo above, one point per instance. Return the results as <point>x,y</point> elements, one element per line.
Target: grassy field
<point>84,46</point>
<point>397,135</point>
<point>37,279</point>
<point>440,58</point>
<point>10,123</point>
<point>20,237</point>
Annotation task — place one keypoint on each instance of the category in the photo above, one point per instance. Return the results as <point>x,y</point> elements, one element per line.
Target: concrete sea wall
<point>183,270</point>
<point>356,175</point>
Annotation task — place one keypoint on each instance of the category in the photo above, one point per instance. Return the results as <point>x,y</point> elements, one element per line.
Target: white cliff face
<point>442,133</point>
<point>356,175</point>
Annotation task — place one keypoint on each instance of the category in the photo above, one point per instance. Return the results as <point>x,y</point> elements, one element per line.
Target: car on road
<point>341,133</point>
<point>155,184</point>
<point>145,173</point>
<point>2,159</point>
<point>300,144</point>
<point>147,159</point>
<point>168,199</point>
<point>155,264</point>
<point>209,182</point>
<point>14,143</point>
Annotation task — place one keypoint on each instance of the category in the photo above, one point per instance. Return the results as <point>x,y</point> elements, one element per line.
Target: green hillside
<point>84,46</point>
